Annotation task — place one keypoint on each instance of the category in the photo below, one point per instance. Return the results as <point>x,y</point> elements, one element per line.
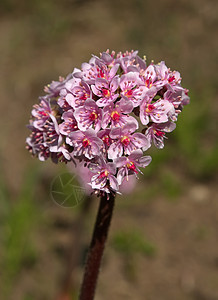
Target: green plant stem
<point>97,247</point>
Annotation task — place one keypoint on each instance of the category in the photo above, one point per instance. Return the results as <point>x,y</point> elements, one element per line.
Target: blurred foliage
<point>193,145</point>
<point>17,223</point>
<point>132,242</point>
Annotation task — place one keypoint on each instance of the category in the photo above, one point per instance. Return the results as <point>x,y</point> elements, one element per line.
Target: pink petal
<point>114,84</point>
<point>130,127</point>
<point>101,83</point>
<point>113,183</point>
<point>145,161</point>
<point>125,107</point>
<point>113,70</point>
<point>120,161</point>
<point>140,141</point>
<point>115,133</point>
<point>120,175</point>
<point>115,150</point>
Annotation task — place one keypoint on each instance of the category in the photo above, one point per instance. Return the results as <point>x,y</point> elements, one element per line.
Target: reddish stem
<point>97,247</point>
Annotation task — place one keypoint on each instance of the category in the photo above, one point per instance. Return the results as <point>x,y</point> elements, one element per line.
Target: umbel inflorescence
<point>106,114</point>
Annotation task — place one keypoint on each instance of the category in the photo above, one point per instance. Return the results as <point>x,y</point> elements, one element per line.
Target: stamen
<point>130,165</point>
<point>106,92</point>
<point>125,140</point>
<point>85,142</point>
<point>93,116</point>
<point>115,116</point>
<point>104,174</point>
<point>149,108</point>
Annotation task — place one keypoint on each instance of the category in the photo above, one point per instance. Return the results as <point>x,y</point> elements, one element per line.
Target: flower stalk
<point>96,248</point>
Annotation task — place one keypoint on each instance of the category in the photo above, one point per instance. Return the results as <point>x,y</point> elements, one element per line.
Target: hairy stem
<point>97,247</point>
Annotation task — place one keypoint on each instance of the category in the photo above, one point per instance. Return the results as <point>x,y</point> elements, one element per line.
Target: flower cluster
<point>106,114</point>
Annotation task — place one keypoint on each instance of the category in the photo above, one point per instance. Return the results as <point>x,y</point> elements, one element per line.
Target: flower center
<point>106,93</point>
<point>72,125</point>
<point>101,73</point>
<point>149,108</point>
<point>84,96</point>
<point>105,139</point>
<point>85,142</point>
<point>115,116</point>
<point>159,133</point>
<point>129,93</point>
<point>43,113</point>
<point>130,165</point>
<point>125,140</point>
<point>93,116</point>
<point>104,174</point>
<point>171,79</point>
<point>148,83</point>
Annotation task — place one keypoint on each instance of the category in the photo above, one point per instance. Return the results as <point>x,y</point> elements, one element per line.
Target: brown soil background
<point>175,205</point>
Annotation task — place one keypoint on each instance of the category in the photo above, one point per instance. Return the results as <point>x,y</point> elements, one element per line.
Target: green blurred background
<point>163,240</point>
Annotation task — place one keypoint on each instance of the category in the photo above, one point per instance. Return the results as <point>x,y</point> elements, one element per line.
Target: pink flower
<point>118,114</point>
<point>130,165</point>
<point>156,133</point>
<point>105,91</point>
<point>69,124</point>
<point>177,98</point>
<point>61,153</point>
<point>88,115</point>
<point>149,78</point>
<point>36,144</point>
<point>156,111</point>
<point>45,141</point>
<point>168,78</point>
<point>129,60</point>
<point>96,69</point>
<point>62,101</point>
<point>107,59</point>
<point>85,144</point>
<point>41,112</point>
<point>53,89</point>
<point>104,178</point>
<point>132,88</point>
<point>126,142</point>
<point>53,138</point>
<point>104,135</point>
<point>76,92</point>
<point>105,114</point>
